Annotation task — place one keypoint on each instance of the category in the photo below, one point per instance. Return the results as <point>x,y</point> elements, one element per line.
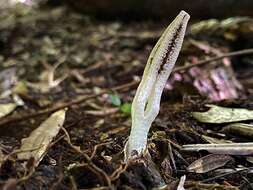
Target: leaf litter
<point>208,163</point>
<point>6,109</point>
<point>94,57</point>
<point>41,137</point>
<point>217,114</point>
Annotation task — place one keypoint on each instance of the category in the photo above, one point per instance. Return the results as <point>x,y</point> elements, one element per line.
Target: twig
<point>90,164</point>
<point>15,152</point>
<point>118,171</point>
<point>203,62</point>
<point>96,147</point>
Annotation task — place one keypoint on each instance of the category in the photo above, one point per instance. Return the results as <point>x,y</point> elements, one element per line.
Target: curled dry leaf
<point>6,109</point>
<point>39,140</point>
<point>227,148</point>
<point>208,163</point>
<point>217,114</point>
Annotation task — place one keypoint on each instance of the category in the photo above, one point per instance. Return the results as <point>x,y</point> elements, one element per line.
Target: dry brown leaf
<point>208,163</point>
<point>37,143</point>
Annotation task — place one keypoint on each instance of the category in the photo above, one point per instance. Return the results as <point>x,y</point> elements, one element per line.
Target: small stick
<point>203,62</point>
<point>98,171</point>
<point>227,148</point>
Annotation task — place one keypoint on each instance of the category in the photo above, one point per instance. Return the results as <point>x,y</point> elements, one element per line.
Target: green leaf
<point>115,99</point>
<point>126,108</point>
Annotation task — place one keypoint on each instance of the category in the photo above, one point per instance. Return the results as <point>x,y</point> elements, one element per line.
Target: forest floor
<point>53,60</point>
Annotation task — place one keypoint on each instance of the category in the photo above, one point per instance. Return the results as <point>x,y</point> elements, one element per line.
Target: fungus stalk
<point>146,103</point>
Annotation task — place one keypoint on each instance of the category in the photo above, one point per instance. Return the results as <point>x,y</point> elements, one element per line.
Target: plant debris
<point>52,59</point>
<point>208,163</point>
<point>6,109</point>
<point>36,145</point>
<point>229,148</point>
<point>217,114</point>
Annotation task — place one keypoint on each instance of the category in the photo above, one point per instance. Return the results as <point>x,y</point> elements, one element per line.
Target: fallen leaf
<point>217,114</point>
<point>39,140</point>
<point>6,109</point>
<point>242,129</point>
<point>208,163</point>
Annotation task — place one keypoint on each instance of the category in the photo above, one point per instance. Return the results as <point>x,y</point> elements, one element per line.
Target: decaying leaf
<point>227,148</point>
<point>208,163</point>
<point>37,143</point>
<point>242,129</point>
<point>6,109</point>
<point>217,114</point>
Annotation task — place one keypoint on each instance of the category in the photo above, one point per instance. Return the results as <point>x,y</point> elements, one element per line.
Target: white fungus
<point>146,103</point>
